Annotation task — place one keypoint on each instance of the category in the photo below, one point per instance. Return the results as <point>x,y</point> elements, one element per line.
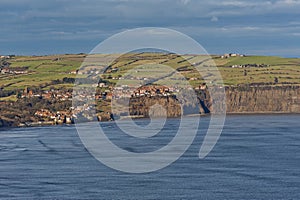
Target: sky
<point>256,27</point>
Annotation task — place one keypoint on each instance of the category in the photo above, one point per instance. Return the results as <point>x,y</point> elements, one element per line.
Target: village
<point>51,98</point>
<point>82,109</point>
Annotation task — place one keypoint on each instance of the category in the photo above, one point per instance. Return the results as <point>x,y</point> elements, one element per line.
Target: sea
<point>256,157</point>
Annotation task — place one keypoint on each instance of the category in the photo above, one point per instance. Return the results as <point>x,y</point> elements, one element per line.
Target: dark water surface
<point>256,157</point>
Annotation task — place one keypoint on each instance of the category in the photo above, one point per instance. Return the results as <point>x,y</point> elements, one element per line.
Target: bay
<point>256,157</point>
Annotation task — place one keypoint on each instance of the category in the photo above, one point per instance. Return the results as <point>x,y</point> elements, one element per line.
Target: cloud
<point>93,20</point>
<point>214,19</point>
<point>288,2</point>
<point>185,2</point>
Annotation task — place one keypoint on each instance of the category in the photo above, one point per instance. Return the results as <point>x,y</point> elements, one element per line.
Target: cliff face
<point>266,99</point>
<point>155,106</point>
<point>284,99</point>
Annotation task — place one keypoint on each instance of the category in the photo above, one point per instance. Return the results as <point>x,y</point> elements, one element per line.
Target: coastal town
<point>47,116</point>
<point>38,90</point>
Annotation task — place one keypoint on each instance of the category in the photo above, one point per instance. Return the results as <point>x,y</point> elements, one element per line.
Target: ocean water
<point>256,157</point>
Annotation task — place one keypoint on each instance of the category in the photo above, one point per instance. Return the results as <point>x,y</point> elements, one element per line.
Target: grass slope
<point>44,69</point>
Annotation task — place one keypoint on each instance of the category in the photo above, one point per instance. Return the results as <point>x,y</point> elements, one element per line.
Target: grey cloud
<point>93,20</point>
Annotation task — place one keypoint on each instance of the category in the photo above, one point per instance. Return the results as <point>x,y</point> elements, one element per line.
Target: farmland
<point>38,89</point>
<point>41,70</point>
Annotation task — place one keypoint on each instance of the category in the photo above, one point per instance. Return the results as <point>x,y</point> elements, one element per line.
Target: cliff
<point>242,99</point>
<point>264,99</point>
<point>155,106</point>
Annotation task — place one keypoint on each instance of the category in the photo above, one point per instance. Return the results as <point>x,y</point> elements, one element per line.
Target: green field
<point>41,70</point>
<point>44,69</point>
<point>287,70</point>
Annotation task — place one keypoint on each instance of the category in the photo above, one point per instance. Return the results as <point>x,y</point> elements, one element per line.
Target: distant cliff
<point>154,106</point>
<point>263,99</point>
<point>242,99</point>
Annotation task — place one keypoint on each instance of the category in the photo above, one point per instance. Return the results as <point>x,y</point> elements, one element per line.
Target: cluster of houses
<point>84,97</point>
<point>52,94</point>
<point>125,91</point>
<point>4,57</point>
<point>17,70</point>
<point>66,116</point>
<point>5,67</point>
<point>250,65</point>
<point>59,117</point>
<point>229,55</point>
<point>150,91</point>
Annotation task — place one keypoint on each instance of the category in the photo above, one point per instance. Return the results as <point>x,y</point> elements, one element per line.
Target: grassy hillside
<point>287,70</point>
<point>41,70</point>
